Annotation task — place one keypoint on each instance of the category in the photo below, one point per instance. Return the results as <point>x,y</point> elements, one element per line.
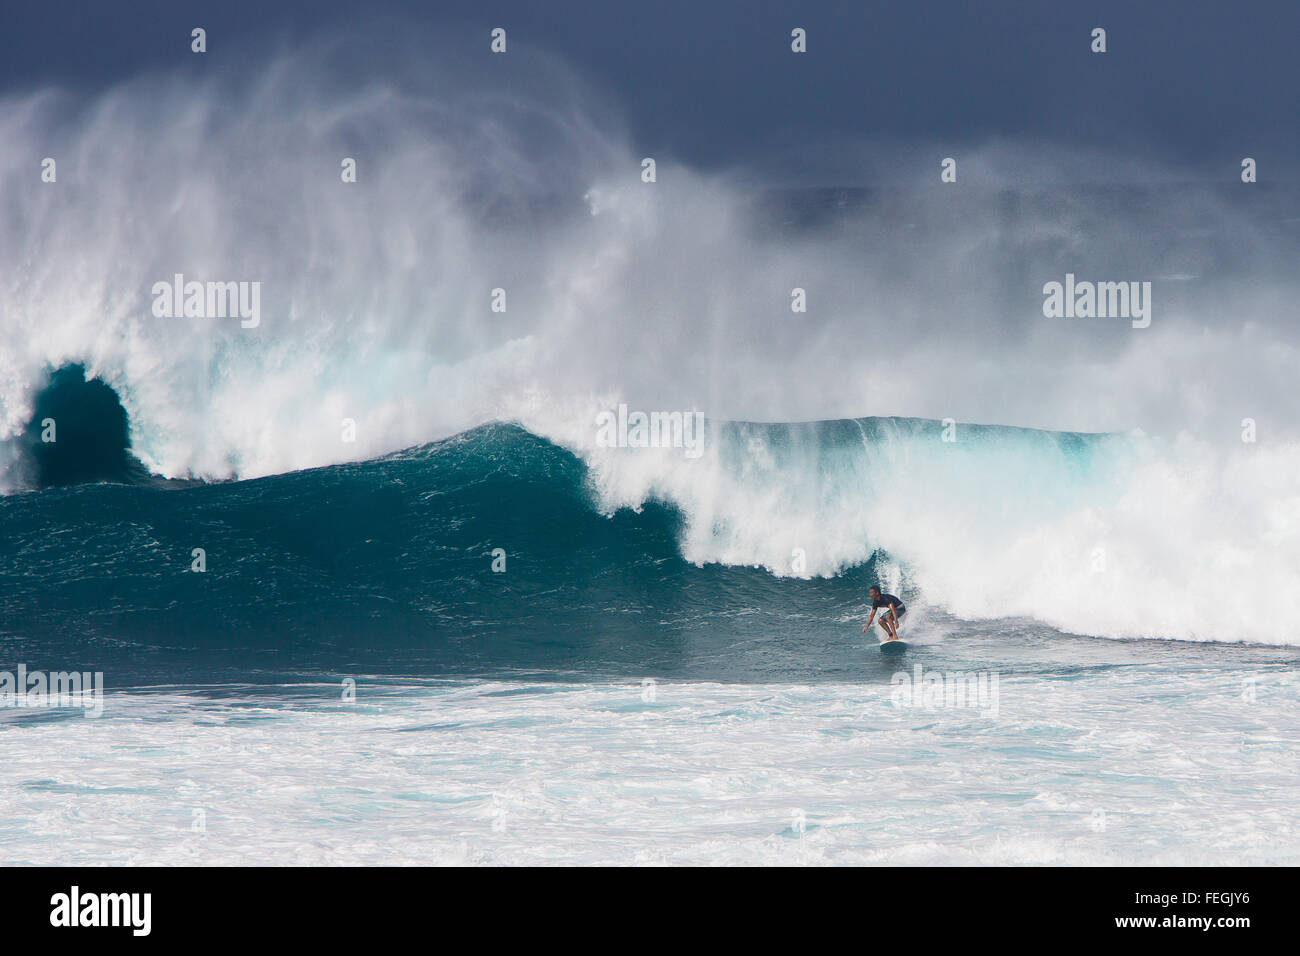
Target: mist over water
<point>924,300</point>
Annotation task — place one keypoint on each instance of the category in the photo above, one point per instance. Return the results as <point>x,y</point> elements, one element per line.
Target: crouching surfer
<point>891,612</point>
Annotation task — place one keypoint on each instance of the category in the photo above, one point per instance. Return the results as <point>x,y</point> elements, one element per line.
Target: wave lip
<point>78,433</point>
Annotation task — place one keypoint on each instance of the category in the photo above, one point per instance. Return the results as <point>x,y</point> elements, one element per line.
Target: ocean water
<point>1138,756</point>
<point>365,586</point>
<point>350,680</point>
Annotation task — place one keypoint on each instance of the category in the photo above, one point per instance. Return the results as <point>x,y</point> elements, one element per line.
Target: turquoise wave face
<point>480,554</point>
<point>498,551</point>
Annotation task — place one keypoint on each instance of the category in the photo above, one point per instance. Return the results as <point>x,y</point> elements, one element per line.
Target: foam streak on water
<point>1148,764</point>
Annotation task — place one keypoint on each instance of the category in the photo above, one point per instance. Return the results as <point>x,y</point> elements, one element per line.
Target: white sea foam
<point>702,773</point>
<point>672,295</point>
<point>1118,536</point>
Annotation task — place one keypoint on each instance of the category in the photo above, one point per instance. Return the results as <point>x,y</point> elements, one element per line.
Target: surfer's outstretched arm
<point>869,620</point>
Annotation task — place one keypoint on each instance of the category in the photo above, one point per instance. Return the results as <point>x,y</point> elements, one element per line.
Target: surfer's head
<point>874,590</point>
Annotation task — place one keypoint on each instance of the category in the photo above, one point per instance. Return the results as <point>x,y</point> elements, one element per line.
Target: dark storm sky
<point>1199,82</point>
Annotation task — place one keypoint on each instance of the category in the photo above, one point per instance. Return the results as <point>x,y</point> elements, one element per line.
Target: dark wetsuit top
<point>888,600</point>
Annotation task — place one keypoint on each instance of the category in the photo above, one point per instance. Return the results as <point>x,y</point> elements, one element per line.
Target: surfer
<point>891,617</point>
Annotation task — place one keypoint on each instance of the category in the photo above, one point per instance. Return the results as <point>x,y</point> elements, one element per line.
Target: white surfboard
<point>893,647</point>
